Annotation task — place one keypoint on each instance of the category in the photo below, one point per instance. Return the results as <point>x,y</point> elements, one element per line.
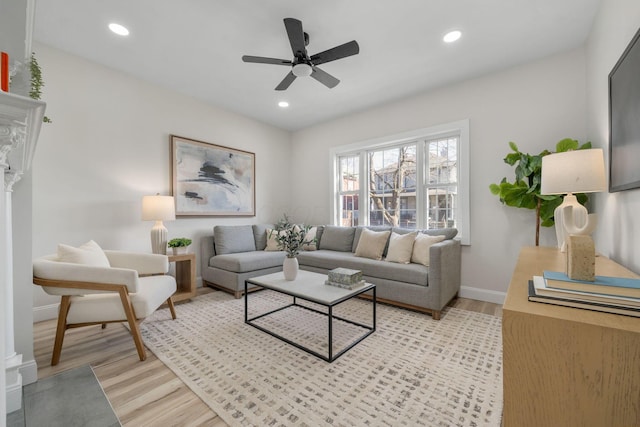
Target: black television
<point>624,119</point>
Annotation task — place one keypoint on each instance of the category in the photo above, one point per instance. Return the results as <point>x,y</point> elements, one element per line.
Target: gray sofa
<point>235,253</point>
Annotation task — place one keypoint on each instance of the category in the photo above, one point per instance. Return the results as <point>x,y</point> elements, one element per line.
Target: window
<point>415,180</point>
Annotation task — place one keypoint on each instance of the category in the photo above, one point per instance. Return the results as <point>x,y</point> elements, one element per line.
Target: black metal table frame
<point>331,357</point>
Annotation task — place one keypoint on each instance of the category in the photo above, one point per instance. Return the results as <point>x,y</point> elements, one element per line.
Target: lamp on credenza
<point>158,208</point>
<point>570,172</point>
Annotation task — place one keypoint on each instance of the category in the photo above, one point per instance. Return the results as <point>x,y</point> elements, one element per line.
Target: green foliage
<point>290,237</point>
<point>36,82</point>
<point>179,242</point>
<point>524,191</point>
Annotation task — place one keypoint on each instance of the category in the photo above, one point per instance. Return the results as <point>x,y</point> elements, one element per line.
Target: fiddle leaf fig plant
<point>524,190</point>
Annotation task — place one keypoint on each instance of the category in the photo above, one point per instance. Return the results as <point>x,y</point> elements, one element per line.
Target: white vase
<point>290,268</point>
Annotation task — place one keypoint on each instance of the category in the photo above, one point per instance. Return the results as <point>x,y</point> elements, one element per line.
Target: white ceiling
<point>195,46</point>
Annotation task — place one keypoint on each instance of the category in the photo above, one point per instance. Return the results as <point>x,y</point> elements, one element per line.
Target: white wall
<point>618,231</point>
<point>108,146</point>
<point>534,105</point>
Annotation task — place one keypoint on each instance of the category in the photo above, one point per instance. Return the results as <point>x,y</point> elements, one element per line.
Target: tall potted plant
<point>291,238</point>
<point>524,191</point>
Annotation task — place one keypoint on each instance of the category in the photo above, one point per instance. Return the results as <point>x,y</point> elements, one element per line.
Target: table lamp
<point>158,208</point>
<point>576,171</point>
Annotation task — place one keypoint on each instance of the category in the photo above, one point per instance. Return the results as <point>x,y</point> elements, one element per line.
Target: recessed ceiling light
<point>452,36</point>
<point>118,29</point>
<point>283,104</point>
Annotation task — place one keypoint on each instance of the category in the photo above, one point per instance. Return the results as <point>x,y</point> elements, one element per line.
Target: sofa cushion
<point>372,243</point>
<point>356,237</point>
<point>244,262</point>
<point>421,247</point>
<point>401,247</point>
<point>88,254</point>
<point>325,259</point>
<point>260,235</point>
<point>230,239</point>
<point>337,238</point>
<point>448,233</point>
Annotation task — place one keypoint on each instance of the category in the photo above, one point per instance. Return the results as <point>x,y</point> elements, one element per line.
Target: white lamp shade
<point>158,208</point>
<point>577,171</point>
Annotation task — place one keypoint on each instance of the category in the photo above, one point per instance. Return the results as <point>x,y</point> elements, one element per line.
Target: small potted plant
<point>179,245</point>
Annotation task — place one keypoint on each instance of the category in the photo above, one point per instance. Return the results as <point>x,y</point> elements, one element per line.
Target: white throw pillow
<point>310,237</point>
<point>272,243</point>
<point>372,243</point>
<point>401,247</point>
<point>421,248</point>
<point>89,254</point>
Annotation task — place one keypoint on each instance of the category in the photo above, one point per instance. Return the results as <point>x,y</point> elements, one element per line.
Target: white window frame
<point>459,128</point>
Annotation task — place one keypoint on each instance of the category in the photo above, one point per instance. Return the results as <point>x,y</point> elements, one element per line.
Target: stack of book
<point>618,295</point>
<point>344,278</point>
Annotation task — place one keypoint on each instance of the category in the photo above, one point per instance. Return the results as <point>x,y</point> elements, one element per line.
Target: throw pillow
<point>401,247</point>
<point>89,254</point>
<point>310,237</point>
<point>421,248</point>
<point>336,238</point>
<point>272,243</point>
<point>372,243</point>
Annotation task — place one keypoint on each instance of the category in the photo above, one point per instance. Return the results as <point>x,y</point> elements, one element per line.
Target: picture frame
<point>211,180</point>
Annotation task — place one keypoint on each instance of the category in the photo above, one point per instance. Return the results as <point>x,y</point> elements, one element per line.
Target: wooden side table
<point>567,366</point>
<point>185,276</point>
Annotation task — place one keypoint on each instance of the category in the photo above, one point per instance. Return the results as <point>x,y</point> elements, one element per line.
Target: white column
<point>13,361</point>
<point>3,298</point>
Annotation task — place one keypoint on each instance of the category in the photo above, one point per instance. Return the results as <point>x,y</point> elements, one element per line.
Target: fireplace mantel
<point>20,122</point>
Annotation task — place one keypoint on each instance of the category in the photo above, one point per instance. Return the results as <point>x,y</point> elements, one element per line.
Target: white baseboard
<point>45,312</point>
<point>29,372</point>
<point>487,295</point>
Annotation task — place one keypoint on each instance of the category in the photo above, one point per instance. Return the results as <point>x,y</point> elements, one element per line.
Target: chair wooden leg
<point>172,309</point>
<point>133,324</point>
<point>65,303</point>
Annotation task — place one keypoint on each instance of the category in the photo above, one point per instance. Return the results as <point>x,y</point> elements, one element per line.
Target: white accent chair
<point>132,288</point>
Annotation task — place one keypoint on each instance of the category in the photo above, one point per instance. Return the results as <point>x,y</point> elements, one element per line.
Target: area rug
<point>413,371</point>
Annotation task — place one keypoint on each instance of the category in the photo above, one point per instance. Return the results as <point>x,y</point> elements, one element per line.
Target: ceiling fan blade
<point>325,78</point>
<point>286,82</point>
<point>338,52</point>
<point>296,37</point>
<point>264,60</point>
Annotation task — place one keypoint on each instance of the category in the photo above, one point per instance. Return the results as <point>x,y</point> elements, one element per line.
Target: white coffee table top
<point>308,285</point>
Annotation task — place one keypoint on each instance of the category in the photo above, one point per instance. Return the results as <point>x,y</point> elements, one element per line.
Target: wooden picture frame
<point>211,180</point>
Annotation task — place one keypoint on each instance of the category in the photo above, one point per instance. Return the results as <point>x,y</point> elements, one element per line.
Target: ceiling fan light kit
<point>303,65</point>
<point>302,70</point>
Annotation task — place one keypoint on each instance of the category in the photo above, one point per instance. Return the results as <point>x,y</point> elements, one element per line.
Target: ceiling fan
<point>302,64</point>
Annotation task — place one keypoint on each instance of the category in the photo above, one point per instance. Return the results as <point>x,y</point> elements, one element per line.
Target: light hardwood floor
<point>144,393</point>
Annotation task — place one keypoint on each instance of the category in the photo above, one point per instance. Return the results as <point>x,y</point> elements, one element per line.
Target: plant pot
<point>290,268</point>
<point>180,250</point>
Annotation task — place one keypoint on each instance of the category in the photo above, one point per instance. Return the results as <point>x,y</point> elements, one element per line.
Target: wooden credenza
<point>566,366</point>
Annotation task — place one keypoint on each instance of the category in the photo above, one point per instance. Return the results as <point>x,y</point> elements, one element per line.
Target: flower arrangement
<point>290,237</point>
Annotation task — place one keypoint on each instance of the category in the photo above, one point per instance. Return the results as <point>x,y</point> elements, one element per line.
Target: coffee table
<point>309,286</point>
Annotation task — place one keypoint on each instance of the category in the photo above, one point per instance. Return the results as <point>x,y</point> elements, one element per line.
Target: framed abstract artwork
<point>211,180</point>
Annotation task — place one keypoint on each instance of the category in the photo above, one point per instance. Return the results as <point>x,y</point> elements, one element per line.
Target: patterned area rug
<point>413,371</point>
